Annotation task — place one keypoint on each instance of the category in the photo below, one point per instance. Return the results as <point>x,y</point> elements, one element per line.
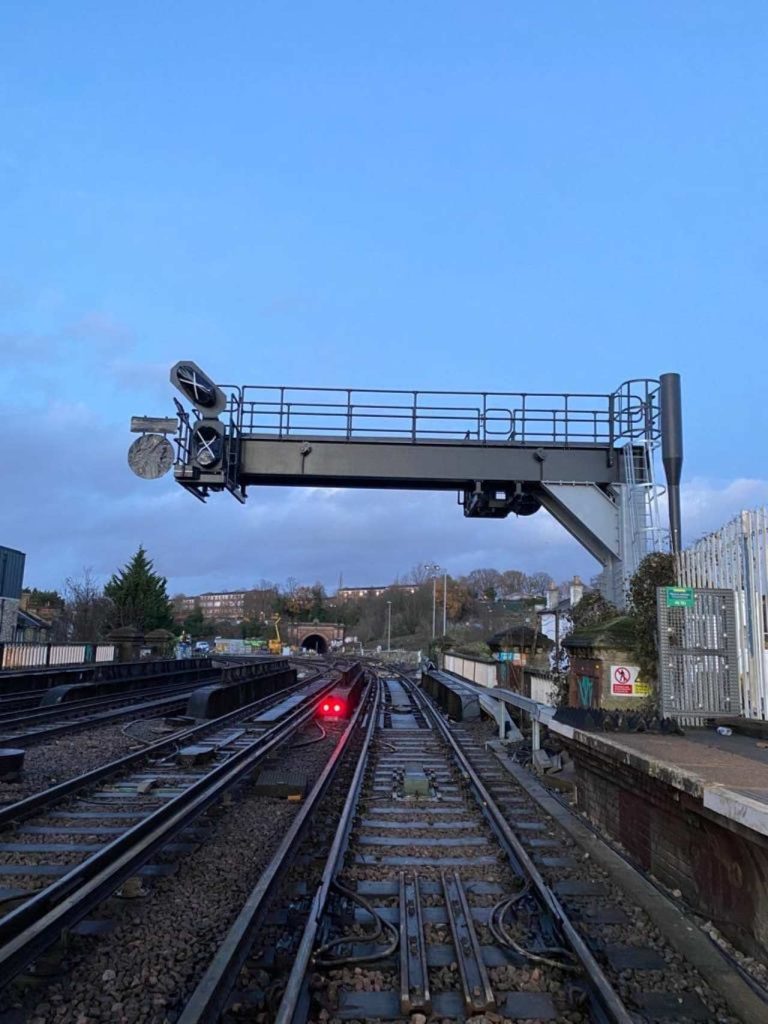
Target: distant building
<point>358,593</point>
<point>223,606</point>
<point>32,627</point>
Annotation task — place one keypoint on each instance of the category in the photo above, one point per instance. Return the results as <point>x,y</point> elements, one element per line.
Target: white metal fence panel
<point>481,672</point>
<point>736,558</point>
<point>543,689</point>
<point>66,654</point>
<point>23,654</point>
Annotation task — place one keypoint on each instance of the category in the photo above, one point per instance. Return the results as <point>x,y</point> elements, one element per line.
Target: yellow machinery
<point>276,646</point>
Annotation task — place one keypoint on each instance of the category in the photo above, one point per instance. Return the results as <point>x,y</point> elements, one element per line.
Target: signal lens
<point>196,386</point>
<point>208,443</point>
<point>326,707</point>
<point>337,708</point>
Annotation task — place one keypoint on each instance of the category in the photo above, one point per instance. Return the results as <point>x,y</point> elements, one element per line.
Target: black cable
<point>502,936</point>
<point>315,739</point>
<point>381,924</point>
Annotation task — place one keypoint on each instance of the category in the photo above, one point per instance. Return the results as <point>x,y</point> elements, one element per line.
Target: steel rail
<point>18,716</point>
<point>295,983</point>
<point>18,701</point>
<point>43,731</point>
<point>209,998</point>
<point>40,801</point>
<point>610,1002</point>
<point>37,923</point>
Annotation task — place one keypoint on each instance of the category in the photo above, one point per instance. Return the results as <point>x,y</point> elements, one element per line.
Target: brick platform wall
<point>720,868</point>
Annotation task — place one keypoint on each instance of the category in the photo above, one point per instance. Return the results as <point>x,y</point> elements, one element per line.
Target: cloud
<point>708,504</point>
<point>146,378</point>
<point>99,330</point>
<point>22,345</point>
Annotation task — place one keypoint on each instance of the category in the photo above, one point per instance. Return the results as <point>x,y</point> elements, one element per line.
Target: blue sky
<point>510,196</point>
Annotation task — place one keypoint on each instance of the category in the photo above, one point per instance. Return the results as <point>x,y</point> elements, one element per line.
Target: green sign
<point>680,597</point>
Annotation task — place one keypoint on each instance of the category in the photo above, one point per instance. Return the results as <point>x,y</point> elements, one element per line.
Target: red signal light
<point>333,706</point>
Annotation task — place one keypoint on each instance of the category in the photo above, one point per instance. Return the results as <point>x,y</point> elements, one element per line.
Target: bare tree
<point>86,609</point>
<point>537,584</point>
<point>420,574</point>
<point>484,583</point>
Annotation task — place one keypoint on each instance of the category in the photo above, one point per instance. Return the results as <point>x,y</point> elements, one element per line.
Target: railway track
<point>39,724</point>
<point>65,850</point>
<point>432,888</point>
<point>28,718</point>
<point>417,881</point>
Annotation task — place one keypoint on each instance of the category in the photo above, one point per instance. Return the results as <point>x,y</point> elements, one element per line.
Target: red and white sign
<point>624,682</point>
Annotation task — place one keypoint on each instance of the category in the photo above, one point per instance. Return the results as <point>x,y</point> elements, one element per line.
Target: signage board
<point>514,656</point>
<point>625,682</point>
<point>154,424</point>
<point>680,597</point>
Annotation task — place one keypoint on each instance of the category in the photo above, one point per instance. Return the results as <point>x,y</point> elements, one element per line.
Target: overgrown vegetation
<point>592,610</point>
<point>656,570</point>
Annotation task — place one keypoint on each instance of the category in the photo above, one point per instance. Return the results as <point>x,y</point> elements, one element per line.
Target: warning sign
<point>625,682</point>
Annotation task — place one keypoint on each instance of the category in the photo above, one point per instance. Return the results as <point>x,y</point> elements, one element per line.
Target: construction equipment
<point>276,646</point>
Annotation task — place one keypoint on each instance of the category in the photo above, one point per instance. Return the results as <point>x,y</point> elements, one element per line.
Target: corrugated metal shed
<point>11,572</point>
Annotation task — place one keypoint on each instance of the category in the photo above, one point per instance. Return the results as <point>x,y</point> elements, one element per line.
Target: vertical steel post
<point>434,604</point>
<point>445,603</point>
<point>389,625</point>
<point>672,449</point>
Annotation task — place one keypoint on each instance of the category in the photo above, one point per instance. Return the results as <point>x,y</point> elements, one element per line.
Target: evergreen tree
<point>139,596</point>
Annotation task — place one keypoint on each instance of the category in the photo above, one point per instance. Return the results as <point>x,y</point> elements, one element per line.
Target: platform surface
<point>729,774</point>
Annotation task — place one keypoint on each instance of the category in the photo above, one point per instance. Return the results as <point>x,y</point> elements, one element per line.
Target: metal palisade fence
<point>736,557</point>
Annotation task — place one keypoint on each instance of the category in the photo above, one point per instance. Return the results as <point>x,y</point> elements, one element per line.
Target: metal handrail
<point>420,416</point>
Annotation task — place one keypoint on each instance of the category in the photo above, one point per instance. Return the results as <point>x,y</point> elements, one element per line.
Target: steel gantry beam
<point>587,458</point>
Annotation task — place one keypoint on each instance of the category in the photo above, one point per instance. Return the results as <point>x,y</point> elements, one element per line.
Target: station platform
<point>692,810</point>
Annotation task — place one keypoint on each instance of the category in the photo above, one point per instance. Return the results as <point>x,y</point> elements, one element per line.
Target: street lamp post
<point>433,570</point>
<point>445,603</point>
<point>389,625</point>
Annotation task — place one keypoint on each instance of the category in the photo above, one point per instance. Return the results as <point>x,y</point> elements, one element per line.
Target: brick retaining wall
<point>720,867</point>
